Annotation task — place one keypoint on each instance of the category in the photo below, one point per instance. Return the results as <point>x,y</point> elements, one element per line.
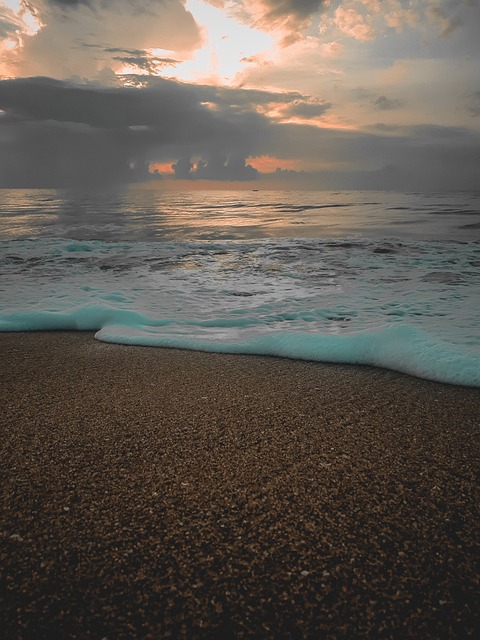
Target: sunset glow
<point>267,164</point>
<point>227,45</point>
<point>353,92</point>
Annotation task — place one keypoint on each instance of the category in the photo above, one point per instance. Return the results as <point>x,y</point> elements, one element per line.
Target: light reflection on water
<point>155,215</point>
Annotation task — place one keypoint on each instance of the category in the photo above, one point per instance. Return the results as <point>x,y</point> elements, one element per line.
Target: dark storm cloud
<point>55,133</point>
<point>219,167</point>
<point>161,102</point>
<point>216,167</point>
<point>50,131</point>
<point>403,158</point>
<point>183,169</point>
<point>51,155</point>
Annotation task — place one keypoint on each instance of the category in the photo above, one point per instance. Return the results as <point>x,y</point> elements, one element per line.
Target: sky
<point>297,94</point>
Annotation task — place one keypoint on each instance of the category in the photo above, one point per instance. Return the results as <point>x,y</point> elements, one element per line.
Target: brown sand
<point>150,493</point>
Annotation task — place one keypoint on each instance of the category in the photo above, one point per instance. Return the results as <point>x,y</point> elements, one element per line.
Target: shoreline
<point>154,493</point>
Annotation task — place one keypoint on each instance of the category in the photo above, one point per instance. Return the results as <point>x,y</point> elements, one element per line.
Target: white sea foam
<point>408,305</point>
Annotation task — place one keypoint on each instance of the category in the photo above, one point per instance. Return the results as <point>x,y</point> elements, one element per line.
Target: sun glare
<point>30,23</point>
<point>227,42</point>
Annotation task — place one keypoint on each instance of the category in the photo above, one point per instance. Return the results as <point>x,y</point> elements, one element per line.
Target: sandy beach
<point>154,493</point>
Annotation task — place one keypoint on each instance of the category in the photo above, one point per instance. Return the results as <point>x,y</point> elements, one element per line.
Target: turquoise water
<point>385,279</point>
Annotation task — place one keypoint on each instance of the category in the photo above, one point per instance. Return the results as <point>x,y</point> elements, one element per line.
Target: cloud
<point>353,24</point>
<point>11,23</point>
<point>359,19</point>
<point>296,9</point>
<point>216,167</point>
<point>42,98</point>
<point>363,20</point>
<point>399,18</point>
<point>474,107</point>
<point>382,103</point>
<point>75,38</point>
<point>419,158</point>
<point>71,3</point>
<point>56,133</point>
<point>8,21</point>
<point>304,109</point>
<point>438,14</point>
<point>287,17</point>
<point>50,130</point>
<point>151,65</point>
<point>270,10</point>
<point>183,169</point>
<point>424,157</point>
<point>135,61</point>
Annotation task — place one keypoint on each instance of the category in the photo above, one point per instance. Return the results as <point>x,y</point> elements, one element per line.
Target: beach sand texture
<point>155,493</point>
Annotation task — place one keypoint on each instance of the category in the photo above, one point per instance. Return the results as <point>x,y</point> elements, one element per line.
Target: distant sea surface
<point>379,278</point>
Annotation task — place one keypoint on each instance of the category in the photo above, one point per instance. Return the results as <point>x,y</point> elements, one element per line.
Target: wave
<point>398,347</point>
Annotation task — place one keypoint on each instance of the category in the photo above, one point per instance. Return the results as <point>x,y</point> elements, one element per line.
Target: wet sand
<point>154,493</point>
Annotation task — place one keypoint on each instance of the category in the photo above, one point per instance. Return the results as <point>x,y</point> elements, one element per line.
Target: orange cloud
<point>352,23</point>
<point>269,164</point>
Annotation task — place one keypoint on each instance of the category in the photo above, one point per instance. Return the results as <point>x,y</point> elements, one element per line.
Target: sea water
<point>385,279</point>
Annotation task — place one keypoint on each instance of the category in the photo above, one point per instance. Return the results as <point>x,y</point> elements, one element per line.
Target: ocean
<point>377,278</point>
